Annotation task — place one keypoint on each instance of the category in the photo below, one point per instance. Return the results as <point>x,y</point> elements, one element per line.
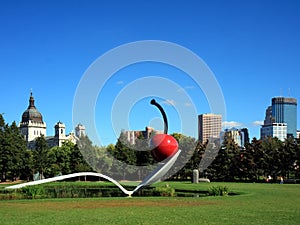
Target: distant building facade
<point>245,133</point>
<point>132,135</point>
<point>239,136</point>
<point>33,126</point>
<point>269,118</point>
<point>60,136</point>
<point>209,126</point>
<point>278,130</point>
<point>80,130</point>
<point>280,119</point>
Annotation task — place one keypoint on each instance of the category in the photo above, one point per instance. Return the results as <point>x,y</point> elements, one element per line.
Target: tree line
<point>224,161</point>
<point>257,161</point>
<point>18,162</point>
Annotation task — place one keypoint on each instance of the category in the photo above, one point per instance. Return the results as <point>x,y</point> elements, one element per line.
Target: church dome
<point>31,113</point>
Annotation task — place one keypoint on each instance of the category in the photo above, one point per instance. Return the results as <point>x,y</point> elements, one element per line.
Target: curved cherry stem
<point>153,102</point>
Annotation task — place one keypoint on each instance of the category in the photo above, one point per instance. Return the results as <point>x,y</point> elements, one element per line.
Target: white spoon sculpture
<point>153,177</point>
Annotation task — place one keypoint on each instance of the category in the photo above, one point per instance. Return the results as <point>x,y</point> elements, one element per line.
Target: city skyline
<point>209,125</point>
<point>252,48</point>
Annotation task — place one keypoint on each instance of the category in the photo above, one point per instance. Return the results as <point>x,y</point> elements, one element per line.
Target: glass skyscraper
<point>284,110</point>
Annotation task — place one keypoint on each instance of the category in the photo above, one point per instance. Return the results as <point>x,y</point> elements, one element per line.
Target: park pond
<point>81,190</point>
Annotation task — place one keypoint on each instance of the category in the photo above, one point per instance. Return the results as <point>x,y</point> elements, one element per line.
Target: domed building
<point>33,126</point>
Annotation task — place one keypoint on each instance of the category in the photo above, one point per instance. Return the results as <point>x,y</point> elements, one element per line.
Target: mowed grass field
<point>255,204</point>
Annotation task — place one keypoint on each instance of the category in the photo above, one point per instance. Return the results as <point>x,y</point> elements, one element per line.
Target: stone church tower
<point>32,124</point>
<point>79,130</point>
<point>60,134</point>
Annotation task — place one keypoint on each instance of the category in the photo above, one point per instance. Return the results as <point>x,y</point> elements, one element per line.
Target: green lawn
<point>256,204</point>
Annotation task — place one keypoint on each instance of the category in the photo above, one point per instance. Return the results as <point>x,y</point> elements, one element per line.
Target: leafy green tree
<point>18,149</point>
<point>67,159</point>
<point>297,159</point>
<point>272,148</point>
<point>85,153</point>
<point>225,167</point>
<point>207,153</point>
<point>143,156</point>
<point>252,161</point>
<point>77,162</point>
<point>63,157</point>
<point>59,157</point>
<point>104,162</point>
<point>184,164</point>
<point>124,152</point>
<point>5,154</point>
<point>12,151</point>
<point>27,169</point>
<point>287,157</point>
<point>41,156</point>
<point>177,136</point>
<point>123,156</point>
<point>142,153</point>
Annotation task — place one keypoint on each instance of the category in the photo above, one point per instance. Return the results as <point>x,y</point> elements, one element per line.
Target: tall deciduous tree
<point>6,155</point>
<point>184,164</point>
<point>288,157</point>
<point>272,148</point>
<point>124,158</point>
<point>67,159</point>
<point>297,159</point>
<point>3,149</point>
<point>41,157</point>
<point>225,167</point>
<point>85,152</point>
<point>252,161</point>
<point>18,149</point>
<point>12,151</point>
<point>78,163</point>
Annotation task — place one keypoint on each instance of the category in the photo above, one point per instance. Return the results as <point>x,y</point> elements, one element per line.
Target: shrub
<point>218,191</point>
<point>33,191</point>
<point>164,191</point>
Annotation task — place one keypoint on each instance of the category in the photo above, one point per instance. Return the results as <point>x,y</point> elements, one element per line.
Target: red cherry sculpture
<point>163,146</point>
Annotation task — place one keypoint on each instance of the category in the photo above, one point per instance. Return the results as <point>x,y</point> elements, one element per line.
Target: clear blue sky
<point>252,47</point>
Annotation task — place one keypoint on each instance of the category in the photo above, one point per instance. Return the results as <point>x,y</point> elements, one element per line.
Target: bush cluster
<point>164,191</point>
<point>218,191</point>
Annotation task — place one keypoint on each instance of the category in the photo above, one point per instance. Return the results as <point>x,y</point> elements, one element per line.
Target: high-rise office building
<point>245,134</point>
<point>281,119</point>
<point>268,118</point>
<point>284,110</point>
<point>209,126</point>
